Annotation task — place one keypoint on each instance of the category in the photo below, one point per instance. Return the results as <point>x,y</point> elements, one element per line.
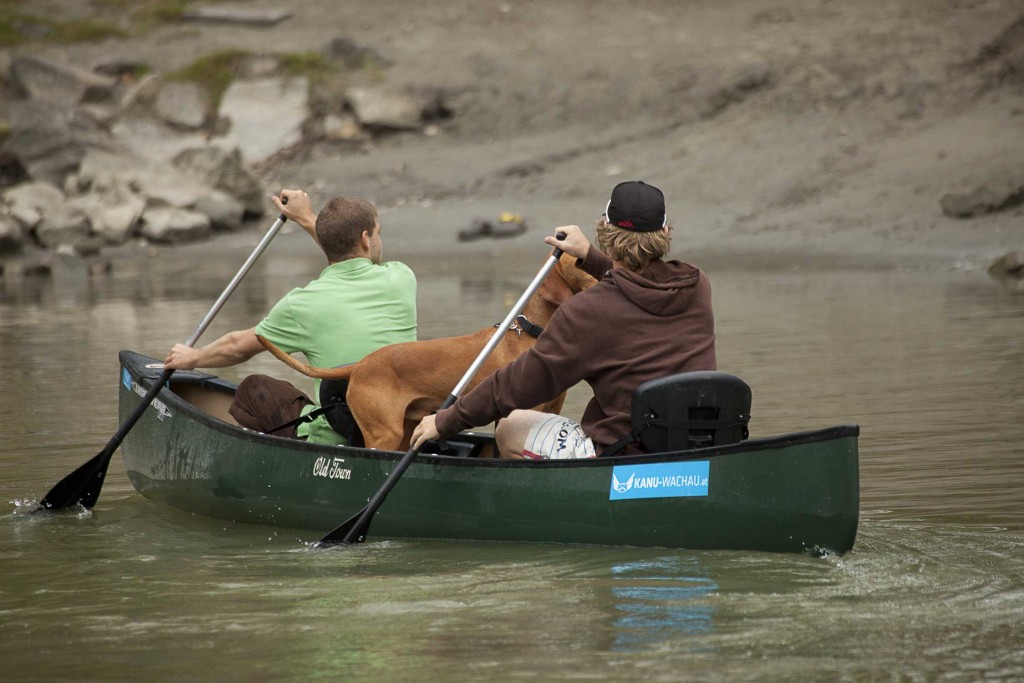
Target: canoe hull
<point>791,494</point>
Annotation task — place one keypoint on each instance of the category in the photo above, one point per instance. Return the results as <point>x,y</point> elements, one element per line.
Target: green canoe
<point>792,493</point>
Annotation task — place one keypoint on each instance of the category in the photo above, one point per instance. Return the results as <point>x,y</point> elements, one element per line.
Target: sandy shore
<point>810,131</point>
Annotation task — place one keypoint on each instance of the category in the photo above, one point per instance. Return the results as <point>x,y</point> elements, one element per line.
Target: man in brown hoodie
<point>646,318</point>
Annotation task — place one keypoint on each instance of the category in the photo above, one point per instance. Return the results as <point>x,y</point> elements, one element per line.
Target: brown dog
<point>393,388</point>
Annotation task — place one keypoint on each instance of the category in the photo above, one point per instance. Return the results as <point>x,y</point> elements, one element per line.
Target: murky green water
<point>930,364</point>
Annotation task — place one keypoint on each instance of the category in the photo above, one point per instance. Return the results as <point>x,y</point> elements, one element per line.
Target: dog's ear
<point>555,288</point>
<point>575,278</point>
<point>564,280</point>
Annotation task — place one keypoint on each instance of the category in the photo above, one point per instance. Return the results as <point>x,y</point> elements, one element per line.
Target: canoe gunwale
<point>136,365</point>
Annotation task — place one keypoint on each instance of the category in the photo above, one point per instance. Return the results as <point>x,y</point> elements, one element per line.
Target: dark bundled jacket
<point>625,330</point>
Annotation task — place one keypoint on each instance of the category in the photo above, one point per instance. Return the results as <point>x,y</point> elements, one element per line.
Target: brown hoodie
<point>627,329</point>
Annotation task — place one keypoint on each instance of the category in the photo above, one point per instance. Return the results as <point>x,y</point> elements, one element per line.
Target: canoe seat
<point>688,410</point>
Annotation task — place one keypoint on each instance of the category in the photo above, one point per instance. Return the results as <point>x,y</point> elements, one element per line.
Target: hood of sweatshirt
<point>664,288</point>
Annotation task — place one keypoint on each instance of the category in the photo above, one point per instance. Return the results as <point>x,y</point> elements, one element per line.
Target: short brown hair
<point>632,249</point>
<point>341,223</point>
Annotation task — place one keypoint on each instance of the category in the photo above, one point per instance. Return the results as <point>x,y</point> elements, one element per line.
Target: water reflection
<point>661,600</point>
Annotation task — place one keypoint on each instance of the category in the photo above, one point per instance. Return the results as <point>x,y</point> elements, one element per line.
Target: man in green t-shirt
<point>357,305</point>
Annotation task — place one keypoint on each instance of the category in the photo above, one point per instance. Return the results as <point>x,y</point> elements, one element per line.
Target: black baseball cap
<point>637,206</point>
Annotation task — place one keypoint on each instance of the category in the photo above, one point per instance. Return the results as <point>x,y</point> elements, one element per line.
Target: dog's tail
<point>339,373</point>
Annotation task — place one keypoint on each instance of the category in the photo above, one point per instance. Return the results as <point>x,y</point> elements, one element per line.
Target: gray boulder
<point>150,139</point>
<point>995,195</point>
<point>125,186</point>
<point>65,86</point>
<point>266,115</point>
<point>384,108</point>
<point>170,225</point>
<point>182,105</point>
<point>66,224</point>
<point>50,141</point>
<point>26,203</point>
<point>353,55</point>
<point>1009,266</point>
<point>228,14</point>
<point>12,235</point>
<point>341,127</point>
<point>224,211</point>
<point>113,220</point>
<point>116,178</point>
<point>214,167</point>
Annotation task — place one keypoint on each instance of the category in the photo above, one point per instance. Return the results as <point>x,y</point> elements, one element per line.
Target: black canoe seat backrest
<point>337,412</point>
<point>691,410</point>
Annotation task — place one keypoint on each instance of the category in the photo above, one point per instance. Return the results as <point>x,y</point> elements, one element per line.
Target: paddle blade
<point>352,530</point>
<point>80,487</point>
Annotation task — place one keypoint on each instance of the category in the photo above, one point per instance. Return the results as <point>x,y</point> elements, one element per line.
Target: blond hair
<point>632,249</point>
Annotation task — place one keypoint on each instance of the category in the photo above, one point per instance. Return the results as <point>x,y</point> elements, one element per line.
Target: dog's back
<point>393,388</point>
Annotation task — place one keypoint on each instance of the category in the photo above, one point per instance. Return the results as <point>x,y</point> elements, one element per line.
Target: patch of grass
<point>305,63</point>
<point>9,34</point>
<point>146,12</point>
<point>18,27</point>
<point>111,19</point>
<point>213,73</point>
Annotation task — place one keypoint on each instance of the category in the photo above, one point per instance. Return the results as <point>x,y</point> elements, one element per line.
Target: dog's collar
<point>522,324</point>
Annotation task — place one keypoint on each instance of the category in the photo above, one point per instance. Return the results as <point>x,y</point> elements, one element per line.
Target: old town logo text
<point>332,468</point>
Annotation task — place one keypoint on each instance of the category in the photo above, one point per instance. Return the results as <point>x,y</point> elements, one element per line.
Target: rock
<point>12,235</point>
<point>116,224</point>
<point>747,79</point>
<point>50,141</point>
<point>124,187</point>
<point>172,225</point>
<point>235,15</point>
<point>342,127</point>
<point>223,170</point>
<point>169,189</point>
<point>113,177</point>
<point>182,105</point>
<point>118,178</point>
<point>90,246</point>
<point>266,115</point>
<point>354,55</point>
<point>225,212</point>
<point>120,67</point>
<point>57,84</point>
<point>1001,61</point>
<point>381,108</point>
<point>153,141</point>
<point>64,224</point>
<point>102,113</point>
<point>1008,266</point>
<point>995,195</point>
<point>12,171</point>
<point>27,202</point>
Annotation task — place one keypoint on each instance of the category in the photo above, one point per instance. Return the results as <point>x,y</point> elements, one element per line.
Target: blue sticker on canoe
<point>126,379</point>
<point>660,480</point>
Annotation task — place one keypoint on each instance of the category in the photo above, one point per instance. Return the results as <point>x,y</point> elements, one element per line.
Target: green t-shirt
<point>354,308</point>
